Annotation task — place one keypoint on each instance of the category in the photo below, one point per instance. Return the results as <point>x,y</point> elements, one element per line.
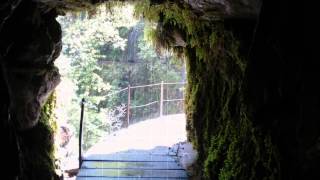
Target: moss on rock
<point>38,145</point>
<point>219,122</point>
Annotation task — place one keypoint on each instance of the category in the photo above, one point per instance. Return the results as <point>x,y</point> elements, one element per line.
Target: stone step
<point>125,178</point>
<point>133,173</point>
<point>130,165</point>
<point>130,157</point>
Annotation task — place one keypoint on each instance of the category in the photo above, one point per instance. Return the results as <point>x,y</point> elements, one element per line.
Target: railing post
<point>161,99</point>
<point>128,106</point>
<point>80,132</point>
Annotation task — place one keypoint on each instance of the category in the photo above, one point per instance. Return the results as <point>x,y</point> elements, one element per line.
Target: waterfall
<point>132,43</point>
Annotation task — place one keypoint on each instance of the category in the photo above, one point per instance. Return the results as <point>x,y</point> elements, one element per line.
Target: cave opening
<point>251,101</point>
<point>132,94</point>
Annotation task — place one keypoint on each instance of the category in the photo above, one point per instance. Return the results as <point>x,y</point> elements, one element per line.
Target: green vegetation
<point>108,51</point>
<point>219,123</point>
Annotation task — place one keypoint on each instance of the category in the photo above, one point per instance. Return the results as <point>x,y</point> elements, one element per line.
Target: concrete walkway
<point>142,151</point>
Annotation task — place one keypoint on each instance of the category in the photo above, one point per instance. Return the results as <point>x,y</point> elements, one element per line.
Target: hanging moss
<point>219,124</point>
<point>176,16</point>
<point>38,145</point>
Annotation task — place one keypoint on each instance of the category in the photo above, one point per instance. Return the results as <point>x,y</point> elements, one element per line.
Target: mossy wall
<point>252,101</point>
<point>219,119</point>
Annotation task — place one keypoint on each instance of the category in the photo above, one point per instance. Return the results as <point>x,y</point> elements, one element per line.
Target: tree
<point>96,49</point>
<point>86,42</point>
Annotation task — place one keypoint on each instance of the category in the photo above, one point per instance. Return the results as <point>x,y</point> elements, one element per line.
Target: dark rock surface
<point>226,8</point>
<point>33,40</point>
<point>26,104</point>
<point>282,91</point>
<point>30,41</point>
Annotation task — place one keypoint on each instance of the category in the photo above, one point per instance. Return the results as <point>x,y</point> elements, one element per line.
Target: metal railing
<point>80,132</point>
<point>129,106</point>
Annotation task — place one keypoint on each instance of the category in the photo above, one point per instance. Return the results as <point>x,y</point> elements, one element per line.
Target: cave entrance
<point>132,94</point>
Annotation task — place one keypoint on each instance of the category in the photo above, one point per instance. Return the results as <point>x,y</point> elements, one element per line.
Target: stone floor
<point>146,150</point>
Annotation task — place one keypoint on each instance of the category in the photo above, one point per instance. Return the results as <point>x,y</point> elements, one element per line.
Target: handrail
<point>148,85</point>
<point>157,84</point>
<point>144,105</point>
<point>80,132</point>
<point>116,92</point>
<point>171,83</point>
<point>170,100</point>
<point>83,101</point>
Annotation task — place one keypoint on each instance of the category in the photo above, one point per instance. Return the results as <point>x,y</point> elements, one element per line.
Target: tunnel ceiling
<point>205,9</point>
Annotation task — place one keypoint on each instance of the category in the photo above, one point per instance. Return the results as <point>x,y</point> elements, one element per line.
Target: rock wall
<point>251,102</point>
<point>30,42</point>
<point>283,97</point>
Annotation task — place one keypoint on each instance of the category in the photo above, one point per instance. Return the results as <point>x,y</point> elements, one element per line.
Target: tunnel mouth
<point>251,99</point>
<point>107,64</point>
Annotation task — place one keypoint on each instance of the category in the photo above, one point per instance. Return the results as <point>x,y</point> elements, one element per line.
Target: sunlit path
<point>146,135</point>
<point>141,151</point>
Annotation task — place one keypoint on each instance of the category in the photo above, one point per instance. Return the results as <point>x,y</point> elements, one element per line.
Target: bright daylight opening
<point>133,94</point>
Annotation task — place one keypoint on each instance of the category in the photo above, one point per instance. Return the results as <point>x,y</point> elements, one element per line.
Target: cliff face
<point>252,101</point>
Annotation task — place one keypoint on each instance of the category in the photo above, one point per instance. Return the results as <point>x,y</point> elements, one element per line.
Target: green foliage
<point>90,39</point>
<point>96,47</point>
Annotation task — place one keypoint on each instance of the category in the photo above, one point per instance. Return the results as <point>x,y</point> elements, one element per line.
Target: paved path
<point>140,152</point>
